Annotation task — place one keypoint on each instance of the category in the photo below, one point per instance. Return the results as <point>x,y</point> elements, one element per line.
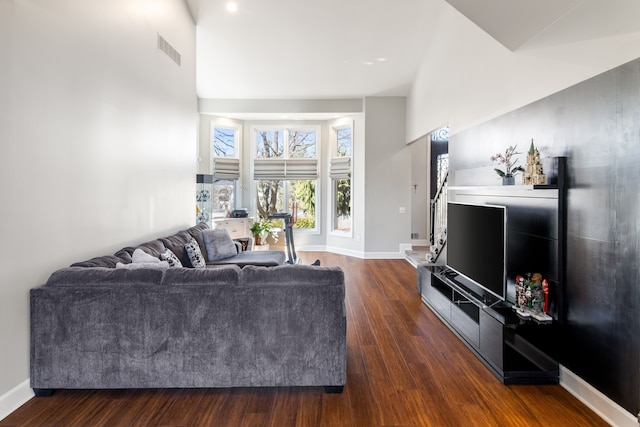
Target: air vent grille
<point>169,50</point>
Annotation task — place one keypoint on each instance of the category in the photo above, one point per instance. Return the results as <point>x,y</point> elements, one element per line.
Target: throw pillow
<point>171,258</point>
<point>219,244</point>
<point>194,254</point>
<point>140,256</point>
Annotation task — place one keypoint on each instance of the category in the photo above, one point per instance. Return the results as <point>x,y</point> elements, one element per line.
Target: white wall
<point>98,143</point>
<point>466,77</point>
<point>387,177</point>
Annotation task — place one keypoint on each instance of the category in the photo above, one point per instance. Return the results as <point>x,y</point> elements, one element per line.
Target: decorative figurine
<point>532,297</point>
<point>533,171</point>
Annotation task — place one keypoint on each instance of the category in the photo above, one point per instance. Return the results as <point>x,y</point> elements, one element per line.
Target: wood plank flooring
<point>405,368</point>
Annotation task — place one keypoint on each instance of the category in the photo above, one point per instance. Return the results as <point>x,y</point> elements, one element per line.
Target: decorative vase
<point>508,180</point>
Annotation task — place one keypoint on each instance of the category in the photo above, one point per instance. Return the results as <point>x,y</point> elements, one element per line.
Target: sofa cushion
<point>196,233</point>
<point>227,274</point>
<point>219,244</point>
<point>291,274</point>
<point>192,249</point>
<point>176,244</point>
<point>108,261</point>
<point>171,258</point>
<point>261,258</point>
<point>74,276</point>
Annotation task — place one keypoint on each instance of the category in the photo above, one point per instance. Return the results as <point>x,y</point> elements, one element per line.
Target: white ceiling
<point>513,22</point>
<point>309,49</point>
<point>339,49</point>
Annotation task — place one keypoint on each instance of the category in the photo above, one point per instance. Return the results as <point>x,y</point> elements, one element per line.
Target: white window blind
<point>340,168</point>
<point>226,168</point>
<point>285,169</point>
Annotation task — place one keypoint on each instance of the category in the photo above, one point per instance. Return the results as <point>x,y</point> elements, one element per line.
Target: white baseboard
<point>15,398</point>
<point>607,409</point>
<point>401,254</point>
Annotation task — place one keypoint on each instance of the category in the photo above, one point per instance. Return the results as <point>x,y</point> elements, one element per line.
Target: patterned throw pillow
<point>171,258</point>
<point>194,254</point>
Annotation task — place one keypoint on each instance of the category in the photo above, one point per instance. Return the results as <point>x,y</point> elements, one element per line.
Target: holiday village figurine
<point>532,297</point>
<point>533,171</point>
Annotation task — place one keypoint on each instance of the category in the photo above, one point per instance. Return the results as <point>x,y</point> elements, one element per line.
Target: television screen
<point>476,244</point>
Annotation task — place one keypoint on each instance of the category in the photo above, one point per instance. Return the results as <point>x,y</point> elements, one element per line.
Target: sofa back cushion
<point>107,261</point>
<point>78,276</point>
<point>291,274</point>
<point>176,244</point>
<point>196,233</point>
<point>223,275</point>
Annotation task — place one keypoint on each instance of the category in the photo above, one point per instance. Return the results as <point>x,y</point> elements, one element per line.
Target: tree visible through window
<point>341,179</point>
<point>224,145</point>
<point>275,192</point>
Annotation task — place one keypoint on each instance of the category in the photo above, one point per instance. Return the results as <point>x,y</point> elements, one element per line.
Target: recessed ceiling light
<point>232,6</point>
<point>368,63</point>
<point>381,59</point>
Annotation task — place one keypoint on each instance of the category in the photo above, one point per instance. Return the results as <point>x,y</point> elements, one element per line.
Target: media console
<point>516,350</point>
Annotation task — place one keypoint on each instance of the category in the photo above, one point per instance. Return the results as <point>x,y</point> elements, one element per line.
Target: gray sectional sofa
<point>100,327</point>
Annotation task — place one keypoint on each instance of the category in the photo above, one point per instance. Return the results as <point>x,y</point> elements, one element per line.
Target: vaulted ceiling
<point>320,49</point>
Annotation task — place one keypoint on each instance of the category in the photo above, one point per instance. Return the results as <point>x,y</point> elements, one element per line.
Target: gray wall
<point>387,176</point>
<point>596,124</point>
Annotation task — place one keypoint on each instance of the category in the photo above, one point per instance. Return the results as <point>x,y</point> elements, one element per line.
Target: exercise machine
<point>286,218</point>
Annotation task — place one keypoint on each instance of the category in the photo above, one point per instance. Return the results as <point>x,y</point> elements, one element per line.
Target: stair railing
<point>438,232</point>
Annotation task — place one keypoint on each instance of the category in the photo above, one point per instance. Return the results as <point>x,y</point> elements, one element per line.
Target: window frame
<point>333,150</point>
<point>286,128</point>
<point>237,138</point>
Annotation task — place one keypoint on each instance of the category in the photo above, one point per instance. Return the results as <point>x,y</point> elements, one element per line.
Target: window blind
<point>285,169</point>
<point>340,168</point>
<point>226,168</point>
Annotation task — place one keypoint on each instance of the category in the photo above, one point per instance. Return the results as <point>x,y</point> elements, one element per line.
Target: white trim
<point>347,252</point>
<point>606,408</point>
<point>15,398</point>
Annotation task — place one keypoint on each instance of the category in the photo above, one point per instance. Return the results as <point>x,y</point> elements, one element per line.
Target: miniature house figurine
<point>533,170</point>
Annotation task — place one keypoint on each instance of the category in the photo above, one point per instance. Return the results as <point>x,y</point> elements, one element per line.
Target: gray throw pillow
<point>219,244</point>
<point>194,254</point>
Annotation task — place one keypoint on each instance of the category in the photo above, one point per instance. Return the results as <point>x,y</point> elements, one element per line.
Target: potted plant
<point>508,175</point>
<point>260,229</point>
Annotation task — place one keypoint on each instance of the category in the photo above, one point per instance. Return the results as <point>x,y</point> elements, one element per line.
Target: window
<point>340,173</point>
<point>226,169</point>
<point>286,173</point>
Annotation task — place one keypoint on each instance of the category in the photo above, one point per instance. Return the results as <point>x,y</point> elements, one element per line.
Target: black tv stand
<point>516,350</point>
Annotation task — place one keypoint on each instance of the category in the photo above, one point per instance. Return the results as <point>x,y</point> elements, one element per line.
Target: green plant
<point>260,227</point>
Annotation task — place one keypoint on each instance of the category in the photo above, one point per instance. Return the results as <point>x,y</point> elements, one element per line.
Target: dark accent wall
<point>596,124</point>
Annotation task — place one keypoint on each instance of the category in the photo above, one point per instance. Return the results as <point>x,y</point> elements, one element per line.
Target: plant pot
<point>508,180</point>
<point>258,240</point>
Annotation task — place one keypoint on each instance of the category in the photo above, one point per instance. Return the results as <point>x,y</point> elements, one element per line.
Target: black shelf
<point>516,350</point>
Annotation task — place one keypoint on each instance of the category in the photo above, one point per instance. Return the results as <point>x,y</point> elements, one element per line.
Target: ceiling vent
<point>164,46</point>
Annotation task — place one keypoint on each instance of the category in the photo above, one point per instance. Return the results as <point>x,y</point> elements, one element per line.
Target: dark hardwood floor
<point>405,368</point>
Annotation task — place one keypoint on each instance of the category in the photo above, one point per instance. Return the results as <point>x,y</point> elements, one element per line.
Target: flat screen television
<point>476,245</point>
